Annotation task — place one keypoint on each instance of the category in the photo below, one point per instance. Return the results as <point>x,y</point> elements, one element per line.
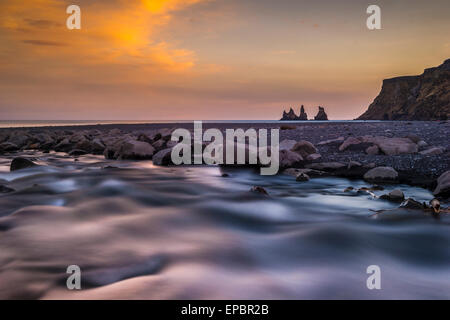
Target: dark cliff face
<point>424,97</point>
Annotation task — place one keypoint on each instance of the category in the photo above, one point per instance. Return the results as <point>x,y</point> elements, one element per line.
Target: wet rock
<point>435,205</point>
<point>97,146</point>
<point>321,115</point>
<point>8,147</point>
<point>373,150</point>
<point>395,195</point>
<point>412,204</point>
<point>290,159</point>
<point>414,138</point>
<point>5,189</point>
<point>259,190</point>
<point>348,189</point>
<point>163,157</point>
<point>225,175</point>
<point>432,151</point>
<point>19,138</point>
<point>21,163</point>
<point>381,174</point>
<point>304,148</point>
<point>443,185</point>
<point>302,177</point>
<point>77,152</point>
<point>287,144</point>
<point>64,146</point>
<point>135,150</point>
<point>310,172</point>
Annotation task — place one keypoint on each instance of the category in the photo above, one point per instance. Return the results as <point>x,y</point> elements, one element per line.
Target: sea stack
<point>303,115</point>
<point>321,115</point>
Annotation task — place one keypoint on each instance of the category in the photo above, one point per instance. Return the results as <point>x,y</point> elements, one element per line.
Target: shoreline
<point>327,136</point>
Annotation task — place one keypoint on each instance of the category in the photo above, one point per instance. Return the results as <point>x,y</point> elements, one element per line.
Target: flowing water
<point>146,232</point>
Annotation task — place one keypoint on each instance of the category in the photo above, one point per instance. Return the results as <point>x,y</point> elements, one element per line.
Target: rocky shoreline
<point>419,152</point>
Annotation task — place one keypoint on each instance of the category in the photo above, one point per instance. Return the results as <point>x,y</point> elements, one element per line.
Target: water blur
<point>139,231</point>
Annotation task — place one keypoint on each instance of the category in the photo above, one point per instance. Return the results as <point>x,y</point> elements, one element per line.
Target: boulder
<point>21,163</point>
<point>443,185</point>
<point>19,138</point>
<point>97,146</point>
<point>135,150</point>
<point>412,204</point>
<point>290,159</point>
<point>159,145</point>
<point>381,174</point>
<point>348,142</point>
<point>393,146</point>
<point>422,145</point>
<point>64,146</point>
<point>287,144</point>
<point>395,195</point>
<point>8,147</point>
<point>163,157</point>
<point>373,150</point>
<point>302,177</point>
<point>304,148</point>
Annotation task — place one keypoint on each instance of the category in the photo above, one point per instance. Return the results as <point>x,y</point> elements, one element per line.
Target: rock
<point>373,150</point>
<point>424,97</point>
<point>304,148</point>
<point>310,172</point>
<point>436,205</point>
<point>19,138</point>
<point>97,146</point>
<point>135,150</point>
<point>321,115</point>
<point>287,144</point>
<point>115,132</point>
<point>337,141</point>
<point>259,190</point>
<point>393,146</point>
<point>381,174</point>
<point>303,116</point>
<point>163,157</point>
<point>290,159</point>
<point>432,151</point>
<point>159,145</point>
<point>348,142</point>
<point>8,147</point>
<point>21,163</point>
<point>395,195</point>
<point>422,145</point>
<point>64,146</point>
<point>5,189</point>
<point>302,177</point>
<point>326,166</point>
<point>348,189</point>
<point>313,157</point>
<point>414,138</point>
<point>144,138</point>
<point>412,204</point>
<point>77,152</point>
<point>443,185</point>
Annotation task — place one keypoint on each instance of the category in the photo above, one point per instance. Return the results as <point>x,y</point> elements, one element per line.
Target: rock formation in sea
<point>423,97</point>
<point>289,115</point>
<point>321,115</point>
<point>303,115</point>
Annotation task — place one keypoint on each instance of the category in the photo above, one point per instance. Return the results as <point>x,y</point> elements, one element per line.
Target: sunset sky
<point>209,59</point>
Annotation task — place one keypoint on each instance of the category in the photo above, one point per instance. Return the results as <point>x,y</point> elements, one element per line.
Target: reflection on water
<point>141,231</point>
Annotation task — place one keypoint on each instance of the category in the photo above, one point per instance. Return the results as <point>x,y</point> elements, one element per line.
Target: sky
<point>209,59</point>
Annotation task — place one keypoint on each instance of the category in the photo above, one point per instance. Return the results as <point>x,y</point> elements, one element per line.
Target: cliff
<point>423,97</point>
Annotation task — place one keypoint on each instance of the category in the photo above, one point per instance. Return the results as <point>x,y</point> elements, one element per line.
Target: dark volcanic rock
<point>289,115</point>
<point>321,115</point>
<point>21,163</point>
<point>303,115</point>
<point>423,97</point>
<point>4,189</point>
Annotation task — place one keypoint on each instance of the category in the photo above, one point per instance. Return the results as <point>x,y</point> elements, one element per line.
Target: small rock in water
<point>4,189</point>
<point>225,175</point>
<point>394,195</point>
<point>259,190</point>
<point>21,163</point>
<point>436,205</point>
<point>412,204</point>
<point>348,189</point>
<point>302,177</point>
